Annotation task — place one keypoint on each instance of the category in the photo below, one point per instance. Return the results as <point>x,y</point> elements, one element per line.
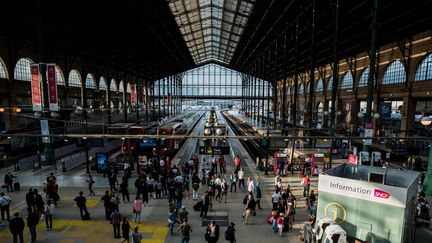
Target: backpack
<point>185,230</point>
<point>47,211</point>
<point>225,186</point>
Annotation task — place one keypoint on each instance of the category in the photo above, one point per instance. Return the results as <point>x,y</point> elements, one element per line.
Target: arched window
<point>74,79</point>
<point>330,83</point>
<point>113,86</point>
<point>22,69</point>
<point>424,71</point>
<point>128,88</point>
<point>301,89</point>
<point>394,74</point>
<point>102,84</point>
<point>90,82</point>
<point>347,81</point>
<point>3,73</point>
<point>121,87</point>
<point>364,78</point>
<point>320,85</point>
<point>59,76</point>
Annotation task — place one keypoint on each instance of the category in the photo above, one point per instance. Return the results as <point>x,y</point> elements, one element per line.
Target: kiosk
<point>370,203</point>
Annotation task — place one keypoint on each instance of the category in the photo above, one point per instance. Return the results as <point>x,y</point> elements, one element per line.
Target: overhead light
<point>426,121</point>
<point>2,109</point>
<point>9,137</point>
<point>17,110</point>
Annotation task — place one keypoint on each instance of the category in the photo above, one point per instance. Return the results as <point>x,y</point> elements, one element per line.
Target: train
<point>159,147</point>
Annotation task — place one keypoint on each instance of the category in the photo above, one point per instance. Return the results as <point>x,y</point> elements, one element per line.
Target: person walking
<point>241,179</point>
<point>233,181</point>
<point>257,194</point>
<point>307,231</point>
<point>137,208</point>
<point>90,182</point>
<point>136,236</point>
<point>38,202</point>
<point>306,185</point>
<point>5,202</point>
<point>81,204</point>
<point>237,163</point>
<point>224,188</point>
<point>172,218</point>
<point>195,185</point>
<point>183,215</point>
<point>185,229</point>
<point>16,227</point>
<point>49,212</point>
<point>125,230</point>
<point>30,198</point>
<point>212,232</point>
<point>115,221</point>
<point>107,204</point>
<point>222,164</point>
<point>124,190</point>
<point>205,205</point>
<point>32,221</point>
<point>230,233</point>
<point>8,180</point>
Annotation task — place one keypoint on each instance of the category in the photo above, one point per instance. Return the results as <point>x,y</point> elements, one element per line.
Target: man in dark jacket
<point>212,232</point>
<point>205,206</point>
<point>16,227</point>
<point>81,204</point>
<point>32,221</point>
<point>8,180</point>
<point>30,198</point>
<point>107,204</point>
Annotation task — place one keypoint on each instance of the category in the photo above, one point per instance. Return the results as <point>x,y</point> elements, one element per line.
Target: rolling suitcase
<point>17,185</point>
<point>197,206</point>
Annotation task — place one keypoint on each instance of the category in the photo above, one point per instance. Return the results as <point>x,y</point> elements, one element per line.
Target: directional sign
<point>214,150</point>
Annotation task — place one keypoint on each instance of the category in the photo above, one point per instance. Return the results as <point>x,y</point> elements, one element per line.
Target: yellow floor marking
<point>92,231</point>
<point>91,203</point>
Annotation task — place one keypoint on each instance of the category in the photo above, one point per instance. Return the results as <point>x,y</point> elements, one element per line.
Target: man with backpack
<point>185,229</point>
<point>224,187</point>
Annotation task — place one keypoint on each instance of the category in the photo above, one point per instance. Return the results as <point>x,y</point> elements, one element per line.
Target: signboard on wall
<point>36,88</point>
<point>373,192</point>
<point>52,87</point>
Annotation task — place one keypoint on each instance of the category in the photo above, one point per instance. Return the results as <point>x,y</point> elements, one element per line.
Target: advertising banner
<point>36,88</point>
<point>45,131</point>
<point>52,87</point>
<point>373,192</point>
<point>140,94</point>
<point>350,108</point>
<point>385,110</point>
<point>133,95</point>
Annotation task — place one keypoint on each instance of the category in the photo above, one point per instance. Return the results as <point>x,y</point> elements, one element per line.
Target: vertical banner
<point>133,95</point>
<point>140,94</point>
<point>169,99</point>
<point>45,131</point>
<point>36,88</point>
<point>52,87</point>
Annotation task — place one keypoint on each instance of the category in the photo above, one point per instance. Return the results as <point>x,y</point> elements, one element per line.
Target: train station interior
<point>316,101</point>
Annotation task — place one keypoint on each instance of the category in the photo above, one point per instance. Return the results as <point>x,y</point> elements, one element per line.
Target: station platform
<point>68,227</point>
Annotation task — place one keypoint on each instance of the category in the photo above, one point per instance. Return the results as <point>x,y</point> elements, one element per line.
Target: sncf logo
<point>381,194</point>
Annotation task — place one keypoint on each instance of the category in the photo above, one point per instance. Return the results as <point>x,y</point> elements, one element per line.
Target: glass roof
<point>211,28</point>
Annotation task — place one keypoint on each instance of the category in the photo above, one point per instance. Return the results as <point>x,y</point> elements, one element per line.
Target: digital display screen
<point>102,162</point>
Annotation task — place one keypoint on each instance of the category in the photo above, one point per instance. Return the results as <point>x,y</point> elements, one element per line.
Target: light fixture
<point>339,113</point>
<point>376,115</point>
<point>55,114</point>
<point>17,110</point>
<point>426,121</point>
<point>360,115</point>
<point>37,114</point>
<point>2,109</point>
<point>9,137</point>
<point>326,113</point>
<point>207,131</point>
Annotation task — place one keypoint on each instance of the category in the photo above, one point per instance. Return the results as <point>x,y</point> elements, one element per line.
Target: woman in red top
<point>237,163</point>
<point>222,164</point>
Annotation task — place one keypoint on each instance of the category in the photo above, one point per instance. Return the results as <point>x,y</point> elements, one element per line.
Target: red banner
<point>36,88</point>
<point>52,87</point>
<point>133,95</point>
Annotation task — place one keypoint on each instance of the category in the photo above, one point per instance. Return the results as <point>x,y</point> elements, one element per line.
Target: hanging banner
<point>133,95</point>
<point>52,87</point>
<point>140,94</point>
<point>36,88</point>
<point>169,99</point>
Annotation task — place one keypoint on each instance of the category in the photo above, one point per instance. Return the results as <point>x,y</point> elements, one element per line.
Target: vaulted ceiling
<point>157,38</point>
